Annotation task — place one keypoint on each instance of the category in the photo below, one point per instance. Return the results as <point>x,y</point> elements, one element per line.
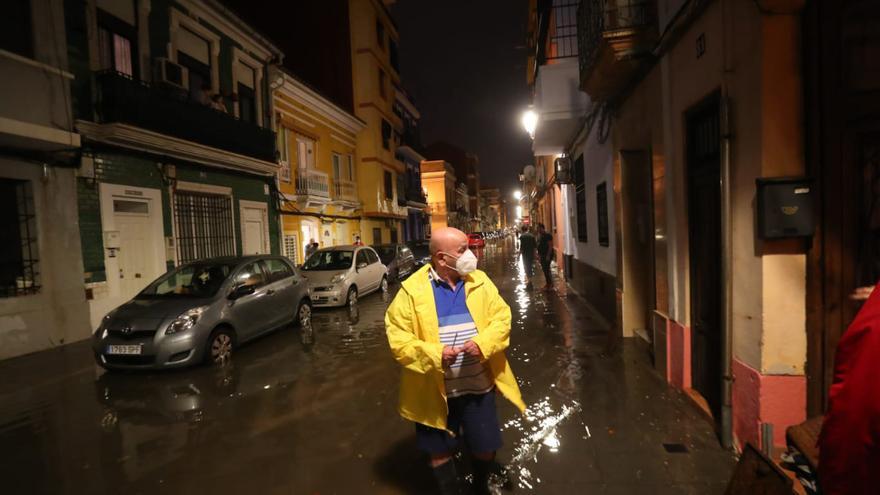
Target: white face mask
<point>464,264</point>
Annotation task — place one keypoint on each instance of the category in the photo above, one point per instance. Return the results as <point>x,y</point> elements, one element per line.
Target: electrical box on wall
<point>785,207</point>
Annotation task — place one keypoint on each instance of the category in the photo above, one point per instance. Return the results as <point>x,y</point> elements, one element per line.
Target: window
<point>247,104</point>
<point>251,275</point>
<point>284,154</point>
<point>372,257</point>
<point>380,34</point>
<point>394,235</point>
<point>386,134</point>
<point>19,252</point>
<point>602,212</point>
<point>580,199</point>
<point>389,185</point>
<point>16,28</point>
<point>277,269</point>
<point>393,56</point>
<point>337,167</point>
<point>203,224</point>
<point>290,243</point>
<point>362,258</point>
<point>246,77</point>
<point>377,236</point>
<point>351,175</point>
<point>116,44</point>
<point>382,84</point>
<point>199,78</point>
<point>305,152</point>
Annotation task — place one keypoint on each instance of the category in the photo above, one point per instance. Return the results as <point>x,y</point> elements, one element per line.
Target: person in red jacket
<point>849,444</point>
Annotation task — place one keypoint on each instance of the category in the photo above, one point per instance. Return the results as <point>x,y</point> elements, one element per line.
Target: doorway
<point>703,157</point>
<point>377,235</point>
<point>254,228</point>
<point>638,240</point>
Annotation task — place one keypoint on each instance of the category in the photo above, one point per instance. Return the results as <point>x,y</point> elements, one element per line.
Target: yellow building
<point>375,77</point>
<point>318,179</point>
<point>438,181</point>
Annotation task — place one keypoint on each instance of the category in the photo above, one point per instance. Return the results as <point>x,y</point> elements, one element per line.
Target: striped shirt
<point>467,375</point>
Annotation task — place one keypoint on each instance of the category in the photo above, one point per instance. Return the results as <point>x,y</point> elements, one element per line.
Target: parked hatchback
<point>202,311</point>
<point>339,275</point>
<point>397,258</point>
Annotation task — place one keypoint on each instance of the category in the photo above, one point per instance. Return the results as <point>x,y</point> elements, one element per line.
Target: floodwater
<point>314,412</point>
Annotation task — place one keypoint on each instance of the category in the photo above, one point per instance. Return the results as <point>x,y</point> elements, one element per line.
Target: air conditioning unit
<point>168,72</point>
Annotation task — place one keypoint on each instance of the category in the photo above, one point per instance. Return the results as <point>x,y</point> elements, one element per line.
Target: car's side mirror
<point>241,291</point>
<point>361,266</point>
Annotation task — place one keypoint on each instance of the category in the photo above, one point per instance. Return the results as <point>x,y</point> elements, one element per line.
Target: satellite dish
<point>529,172</point>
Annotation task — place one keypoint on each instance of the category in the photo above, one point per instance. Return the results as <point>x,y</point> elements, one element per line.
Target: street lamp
<point>530,122</point>
<point>517,195</point>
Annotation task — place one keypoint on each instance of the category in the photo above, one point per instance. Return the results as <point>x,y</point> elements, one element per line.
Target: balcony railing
<point>345,190</point>
<point>628,27</point>
<point>124,100</point>
<point>312,183</point>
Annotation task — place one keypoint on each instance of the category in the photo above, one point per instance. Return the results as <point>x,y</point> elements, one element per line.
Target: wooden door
<point>842,82</point>
<point>704,220</point>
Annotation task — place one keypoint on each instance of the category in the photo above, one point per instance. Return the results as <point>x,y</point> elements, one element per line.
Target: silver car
<point>339,275</point>
<point>201,311</point>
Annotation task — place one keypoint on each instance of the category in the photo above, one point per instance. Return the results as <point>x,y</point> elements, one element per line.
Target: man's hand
<point>450,354</point>
<point>472,349</point>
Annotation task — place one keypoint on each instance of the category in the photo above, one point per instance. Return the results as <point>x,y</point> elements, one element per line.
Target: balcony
<point>312,187</point>
<point>165,111</point>
<point>345,190</point>
<point>615,38</point>
<point>560,104</point>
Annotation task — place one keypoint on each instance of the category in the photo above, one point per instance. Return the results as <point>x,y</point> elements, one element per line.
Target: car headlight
<point>185,321</point>
<point>337,278</point>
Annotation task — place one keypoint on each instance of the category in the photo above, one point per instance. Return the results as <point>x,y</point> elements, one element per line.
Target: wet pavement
<point>313,412</point>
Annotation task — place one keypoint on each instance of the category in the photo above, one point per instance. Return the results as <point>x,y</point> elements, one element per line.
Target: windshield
<point>386,253</point>
<point>329,260</point>
<point>193,280</point>
<point>420,250</point>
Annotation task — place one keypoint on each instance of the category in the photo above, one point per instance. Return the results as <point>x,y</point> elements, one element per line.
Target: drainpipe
<point>727,264</point>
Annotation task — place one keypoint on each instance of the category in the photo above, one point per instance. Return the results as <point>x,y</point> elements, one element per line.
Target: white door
<point>309,232</point>
<point>254,232</point>
<point>343,234</point>
<point>132,219</point>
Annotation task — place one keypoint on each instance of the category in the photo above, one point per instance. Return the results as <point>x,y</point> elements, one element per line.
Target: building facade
<point>317,176</point>
<point>375,75</point>
<point>688,109</point>
<point>178,159</point>
<point>42,303</point>
<point>417,225</point>
<point>441,188</point>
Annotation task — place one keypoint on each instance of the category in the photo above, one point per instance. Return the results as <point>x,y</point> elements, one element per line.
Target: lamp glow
<point>530,122</point>
<point>517,195</point>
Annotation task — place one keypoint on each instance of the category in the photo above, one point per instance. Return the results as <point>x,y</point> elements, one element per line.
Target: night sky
<point>464,62</point>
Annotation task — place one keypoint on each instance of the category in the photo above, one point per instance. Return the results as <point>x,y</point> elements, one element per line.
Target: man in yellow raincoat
<point>448,327</point>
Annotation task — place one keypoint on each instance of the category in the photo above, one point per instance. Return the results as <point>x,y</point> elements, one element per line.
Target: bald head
<point>447,240</point>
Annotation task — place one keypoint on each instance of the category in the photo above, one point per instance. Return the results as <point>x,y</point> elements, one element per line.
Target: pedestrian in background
<point>527,246</point>
<point>448,327</point>
<point>545,254</point>
<point>358,241</point>
<point>311,247</point>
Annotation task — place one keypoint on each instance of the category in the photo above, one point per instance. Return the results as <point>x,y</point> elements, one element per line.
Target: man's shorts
<point>472,417</point>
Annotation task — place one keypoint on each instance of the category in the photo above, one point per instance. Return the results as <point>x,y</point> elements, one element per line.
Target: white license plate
<point>124,349</point>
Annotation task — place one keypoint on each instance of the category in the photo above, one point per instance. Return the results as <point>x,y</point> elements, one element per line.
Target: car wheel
<point>383,285</point>
<point>304,313</point>
<point>352,298</point>
<point>220,346</point>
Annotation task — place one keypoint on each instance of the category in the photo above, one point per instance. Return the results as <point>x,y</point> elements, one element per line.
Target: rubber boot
<point>490,477</point>
<point>447,478</point>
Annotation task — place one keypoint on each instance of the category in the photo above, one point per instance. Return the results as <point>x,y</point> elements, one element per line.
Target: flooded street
<point>301,412</point>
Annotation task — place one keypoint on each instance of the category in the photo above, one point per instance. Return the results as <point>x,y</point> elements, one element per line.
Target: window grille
<point>19,253</point>
<point>204,226</point>
<point>290,250</point>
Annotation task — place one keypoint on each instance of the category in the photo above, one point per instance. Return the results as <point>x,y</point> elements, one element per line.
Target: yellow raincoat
<point>413,333</point>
